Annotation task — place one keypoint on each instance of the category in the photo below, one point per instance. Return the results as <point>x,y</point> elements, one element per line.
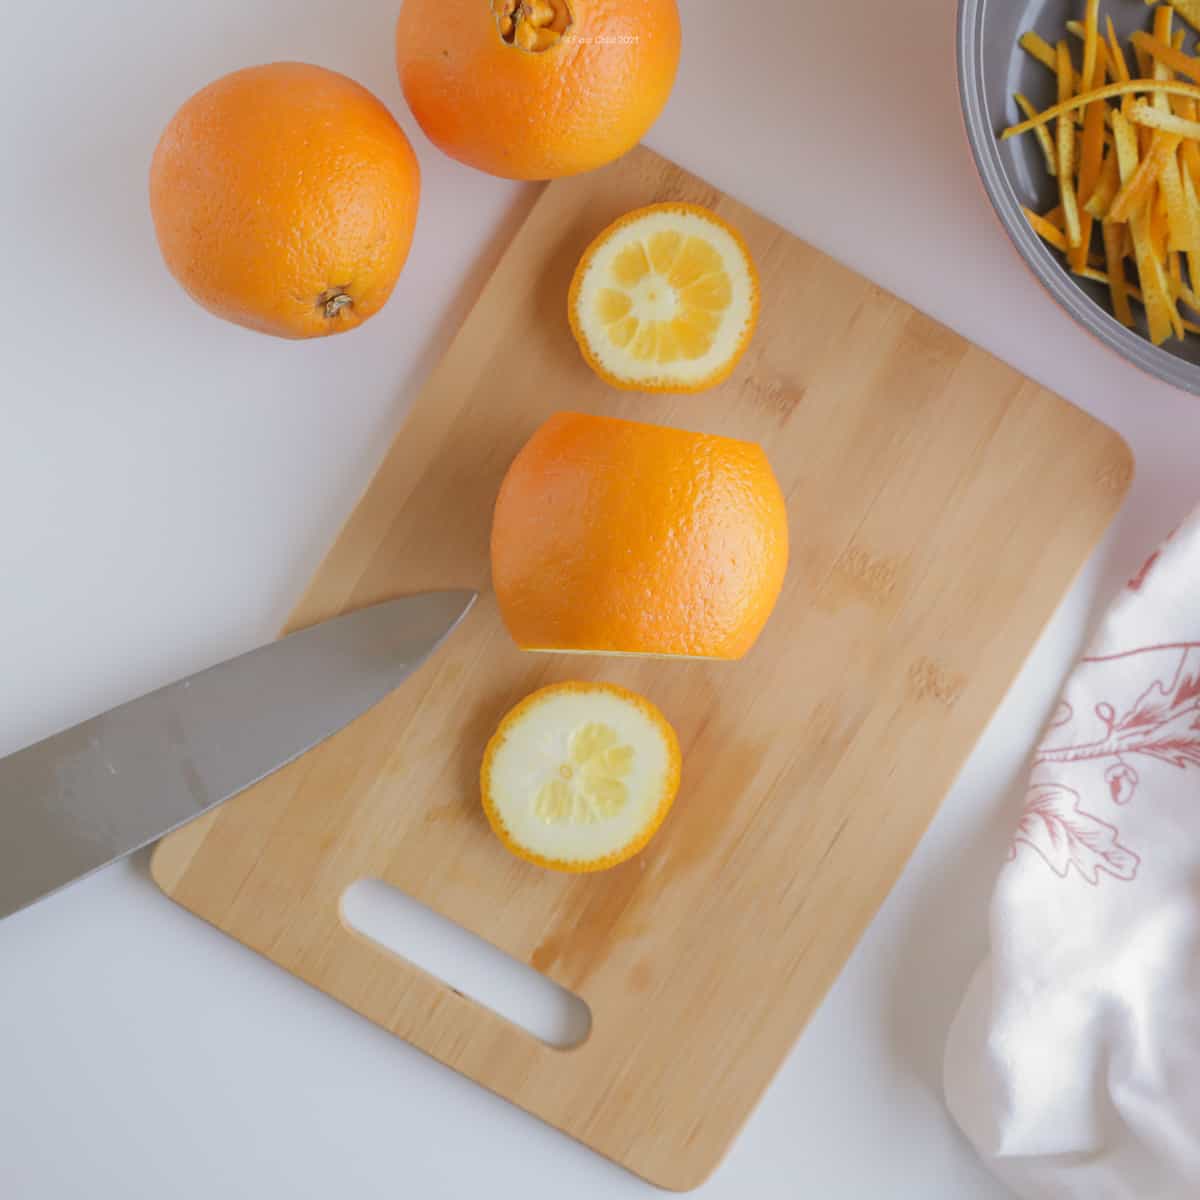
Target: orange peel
<point>618,537</point>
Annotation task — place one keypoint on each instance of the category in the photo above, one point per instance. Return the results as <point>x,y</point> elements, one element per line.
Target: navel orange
<point>579,776</point>
<point>665,300</point>
<point>615,537</point>
<point>284,199</point>
<point>536,89</point>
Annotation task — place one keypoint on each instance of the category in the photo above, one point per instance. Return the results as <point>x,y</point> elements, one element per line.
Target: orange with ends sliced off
<point>618,537</point>
<point>578,777</point>
<point>665,300</point>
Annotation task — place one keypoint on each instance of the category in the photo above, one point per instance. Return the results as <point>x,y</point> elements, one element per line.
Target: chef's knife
<point>94,793</point>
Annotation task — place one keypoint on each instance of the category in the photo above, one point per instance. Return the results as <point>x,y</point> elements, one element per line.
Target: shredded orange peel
<point>1172,87</point>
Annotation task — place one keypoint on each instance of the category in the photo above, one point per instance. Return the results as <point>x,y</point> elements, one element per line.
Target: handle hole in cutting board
<point>466,963</point>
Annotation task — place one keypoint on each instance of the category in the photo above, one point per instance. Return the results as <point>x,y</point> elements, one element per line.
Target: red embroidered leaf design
<point>1054,826</point>
<point>1062,715</point>
<point>1163,723</point>
<point>1135,584</point>
<point>1179,749</point>
<point>1161,702</point>
<point>1122,782</point>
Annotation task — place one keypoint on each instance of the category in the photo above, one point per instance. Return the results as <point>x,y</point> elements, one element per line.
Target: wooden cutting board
<point>940,505</point>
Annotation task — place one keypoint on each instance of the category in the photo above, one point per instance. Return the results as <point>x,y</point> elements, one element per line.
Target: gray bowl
<point>991,67</point>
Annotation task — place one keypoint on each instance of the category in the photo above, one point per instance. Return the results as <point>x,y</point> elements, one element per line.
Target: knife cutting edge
<point>87,796</point>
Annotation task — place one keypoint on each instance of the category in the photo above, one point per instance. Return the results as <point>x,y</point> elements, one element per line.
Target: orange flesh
<point>533,25</point>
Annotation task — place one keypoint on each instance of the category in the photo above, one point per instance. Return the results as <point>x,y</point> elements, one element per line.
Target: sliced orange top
<point>665,299</point>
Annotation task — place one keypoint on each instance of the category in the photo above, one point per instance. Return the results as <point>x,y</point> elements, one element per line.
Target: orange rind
<point>619,537</point>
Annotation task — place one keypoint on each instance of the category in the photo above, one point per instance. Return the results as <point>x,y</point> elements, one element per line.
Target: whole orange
<point>284,199</point>
<point>615,537</point>
<point>536,89</point>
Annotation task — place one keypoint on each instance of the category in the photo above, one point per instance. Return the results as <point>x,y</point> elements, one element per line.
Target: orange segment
<point>664,250</point>
<point>670,348</point>
<point>688,285</point>
<point>615,537</point>
<point>696,259</point>
<point>631,265</point>
<point>612,305</point>
<point>694,342</point>
<point>579,776</point>
<point>645,344</point>
<point>622,332</point>
<point>713,292</point>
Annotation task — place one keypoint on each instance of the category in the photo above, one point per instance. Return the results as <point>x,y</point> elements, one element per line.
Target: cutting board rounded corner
<point>172,855</point>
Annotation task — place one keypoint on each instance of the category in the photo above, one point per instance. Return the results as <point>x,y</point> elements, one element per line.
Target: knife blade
<point>87,796</point>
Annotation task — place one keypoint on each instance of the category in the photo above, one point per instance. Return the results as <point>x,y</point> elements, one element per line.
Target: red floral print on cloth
<point>1159,727</point>
<point>1135,584</point>
<point>1138,581</point>
<point>1066,837</point>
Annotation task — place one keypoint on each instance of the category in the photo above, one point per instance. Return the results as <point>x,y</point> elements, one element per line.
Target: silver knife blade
<point>92,794</point>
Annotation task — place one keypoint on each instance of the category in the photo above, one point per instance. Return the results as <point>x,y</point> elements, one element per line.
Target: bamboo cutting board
<point>940,504</point>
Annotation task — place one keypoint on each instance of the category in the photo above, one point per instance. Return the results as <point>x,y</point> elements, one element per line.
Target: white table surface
<point>168,483</point>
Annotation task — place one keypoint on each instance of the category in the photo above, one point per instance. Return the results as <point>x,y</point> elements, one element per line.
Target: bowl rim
<point>1053,276</point>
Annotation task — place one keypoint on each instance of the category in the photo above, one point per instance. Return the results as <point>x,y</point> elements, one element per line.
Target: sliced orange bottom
<point>579,776</point>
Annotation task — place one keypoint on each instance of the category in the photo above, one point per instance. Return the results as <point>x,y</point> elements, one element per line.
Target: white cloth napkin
<point>1074,1062</point>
